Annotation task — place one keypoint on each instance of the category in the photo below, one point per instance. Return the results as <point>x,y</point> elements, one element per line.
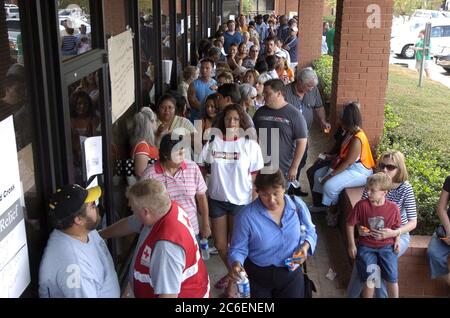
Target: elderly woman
<point>183,181</point>
<point>392,163</point>
<point>287,222</point>
<point>143,142</point>
<point>248,94</point>
<point>350,168</point>
<point>168,121</point>
<point>232,161</point>
<point>439,248</point>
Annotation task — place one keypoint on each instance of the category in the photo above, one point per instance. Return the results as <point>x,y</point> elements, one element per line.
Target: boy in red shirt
<point>375,256</point>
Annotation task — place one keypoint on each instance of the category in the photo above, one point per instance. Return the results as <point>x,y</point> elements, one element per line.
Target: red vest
<point>176,228</point>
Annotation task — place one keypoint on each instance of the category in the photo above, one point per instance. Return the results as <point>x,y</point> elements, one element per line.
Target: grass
<point>424,112</point>
<point>417,123</point>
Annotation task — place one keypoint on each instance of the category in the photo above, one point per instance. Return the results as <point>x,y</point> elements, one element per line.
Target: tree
<point>331,3</point>
<point>83,4</point>
<point>247,6</point>
<point>406,7</point>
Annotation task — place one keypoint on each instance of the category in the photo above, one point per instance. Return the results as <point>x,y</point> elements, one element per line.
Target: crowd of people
<point>222,157</point>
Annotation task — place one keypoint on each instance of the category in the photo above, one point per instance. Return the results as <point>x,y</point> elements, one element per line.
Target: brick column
<point>114,15</point>
<point>310,31</point>
<point>361,61</point>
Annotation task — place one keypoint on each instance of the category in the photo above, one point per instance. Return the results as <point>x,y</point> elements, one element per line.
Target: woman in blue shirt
<point>288,224</point>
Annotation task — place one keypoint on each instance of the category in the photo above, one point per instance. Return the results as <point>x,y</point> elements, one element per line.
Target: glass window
<point>446,31</point>
<point>166,52</point>
<point>74,22</point>
<point>84,119</point>
<point>436,32</point>
<point>15,101</point>
<point>148,40</point>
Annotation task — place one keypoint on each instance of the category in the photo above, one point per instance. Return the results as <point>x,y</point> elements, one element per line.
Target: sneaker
<point>317,209</point>
<point>222,283</point>
<point>297,191</point>
<point>213,251</point>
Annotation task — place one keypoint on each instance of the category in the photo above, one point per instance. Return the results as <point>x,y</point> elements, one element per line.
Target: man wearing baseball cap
<point>76,262</point>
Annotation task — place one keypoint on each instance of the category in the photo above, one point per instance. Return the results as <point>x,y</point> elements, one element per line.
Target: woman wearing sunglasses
<point>391,163</point>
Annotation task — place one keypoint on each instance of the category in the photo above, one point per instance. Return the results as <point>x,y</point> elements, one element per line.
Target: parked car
<point>11,11</point>
<point>443,58</point>
<point>407,37</point>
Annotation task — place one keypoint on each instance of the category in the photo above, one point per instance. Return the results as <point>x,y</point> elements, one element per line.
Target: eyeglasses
<point>389,167</point>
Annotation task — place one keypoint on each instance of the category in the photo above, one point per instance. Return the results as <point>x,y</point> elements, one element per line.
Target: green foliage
<point>330,19</point>
<point>427,168</point>
<point>146,6</point>
<point>324,69</point>
<point>331,3</point>
<point>83,4</point>
<point>406,7</point>
<point>247,6</point>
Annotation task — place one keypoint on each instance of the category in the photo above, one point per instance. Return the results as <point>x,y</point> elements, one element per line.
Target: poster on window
<point>14,263</point>
<point>121,68</point>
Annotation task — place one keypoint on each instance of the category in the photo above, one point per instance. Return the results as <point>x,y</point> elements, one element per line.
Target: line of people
<point>230,172</point>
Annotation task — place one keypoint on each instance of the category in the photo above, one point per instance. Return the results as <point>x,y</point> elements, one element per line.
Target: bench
<point>413,268</point>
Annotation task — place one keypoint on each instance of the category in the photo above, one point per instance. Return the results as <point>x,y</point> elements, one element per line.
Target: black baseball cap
<point>70,198</point>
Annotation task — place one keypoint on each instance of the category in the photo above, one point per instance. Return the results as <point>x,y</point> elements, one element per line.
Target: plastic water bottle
<point>204,248</point>
<point>243,286</point>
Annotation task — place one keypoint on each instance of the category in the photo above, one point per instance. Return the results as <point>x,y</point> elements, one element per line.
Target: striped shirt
<point>182,187</point>
<point>404,197</point>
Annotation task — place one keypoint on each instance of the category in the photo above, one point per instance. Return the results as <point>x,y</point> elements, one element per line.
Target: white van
<point>11,11</point>
<point>408,36</point>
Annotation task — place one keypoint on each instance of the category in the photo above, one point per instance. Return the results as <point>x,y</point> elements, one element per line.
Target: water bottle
<point>204,248</point>
<point>243,286</point>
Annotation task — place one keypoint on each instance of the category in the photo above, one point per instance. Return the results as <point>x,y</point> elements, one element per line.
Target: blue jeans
<point>383,257</point>
<point>355,286</point>
<point>354,176</point>
<point>437,257</point>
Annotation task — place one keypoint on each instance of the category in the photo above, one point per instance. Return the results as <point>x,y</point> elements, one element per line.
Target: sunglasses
<point>389,167</point>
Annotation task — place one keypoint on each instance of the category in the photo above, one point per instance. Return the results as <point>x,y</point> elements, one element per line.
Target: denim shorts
<point>218,209</point>
<point>368,258</point>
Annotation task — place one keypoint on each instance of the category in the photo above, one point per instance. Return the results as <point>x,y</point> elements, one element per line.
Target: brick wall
<point>286,6</point>
<point>361,61</point>
<point>115,16</point>
<point>310,31</point>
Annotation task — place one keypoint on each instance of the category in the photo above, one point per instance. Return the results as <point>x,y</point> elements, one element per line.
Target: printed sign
<point>121,67</point>
<point>14,263</point>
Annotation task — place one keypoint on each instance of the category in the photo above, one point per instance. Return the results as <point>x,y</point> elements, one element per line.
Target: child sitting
<point>370,214</point>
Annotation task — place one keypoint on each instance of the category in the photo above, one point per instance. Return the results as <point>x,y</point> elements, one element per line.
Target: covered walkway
<point>330,253</point>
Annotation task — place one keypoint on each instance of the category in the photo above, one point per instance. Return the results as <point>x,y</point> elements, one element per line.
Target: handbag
<point>309,286</point>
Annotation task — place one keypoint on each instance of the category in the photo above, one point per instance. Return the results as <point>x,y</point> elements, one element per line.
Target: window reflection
<point>74,28</point>
<point>15,102</point>
<point>84,120</point>
<point>147,38</point>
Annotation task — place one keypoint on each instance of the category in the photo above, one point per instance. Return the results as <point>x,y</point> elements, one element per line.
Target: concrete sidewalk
<point>330,252</point>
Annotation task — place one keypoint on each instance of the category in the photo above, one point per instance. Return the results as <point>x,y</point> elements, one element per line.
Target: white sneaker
<point>213,251</point>
<point>316,209</point>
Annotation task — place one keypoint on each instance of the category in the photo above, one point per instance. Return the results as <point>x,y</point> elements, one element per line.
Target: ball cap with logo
<point>70,198</point>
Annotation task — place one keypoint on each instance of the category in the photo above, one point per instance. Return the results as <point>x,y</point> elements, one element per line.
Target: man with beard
<point>76,262</point>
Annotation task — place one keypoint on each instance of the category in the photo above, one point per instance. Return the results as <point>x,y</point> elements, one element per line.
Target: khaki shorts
<point>426,65</point>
